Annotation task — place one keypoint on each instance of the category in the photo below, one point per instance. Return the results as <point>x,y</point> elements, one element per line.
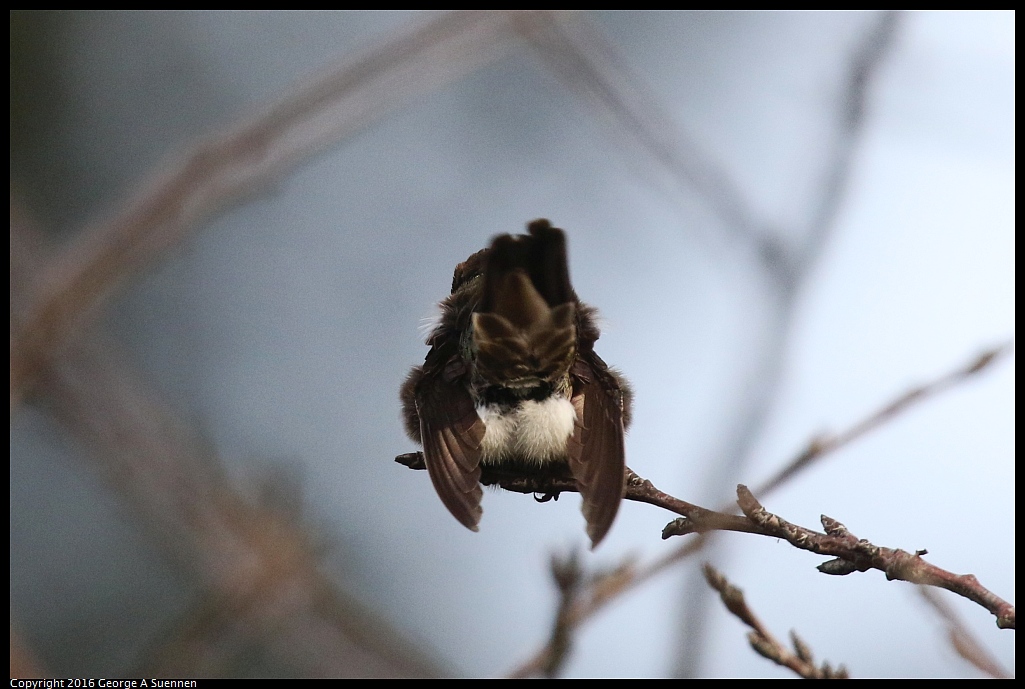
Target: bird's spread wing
<point>596,453</point>
<point>451,433</point>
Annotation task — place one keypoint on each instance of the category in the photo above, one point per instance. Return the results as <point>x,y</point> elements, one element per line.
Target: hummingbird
<point>512,382</point>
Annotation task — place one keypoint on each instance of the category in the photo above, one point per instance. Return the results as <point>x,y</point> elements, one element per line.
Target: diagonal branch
<point>699,519</point>
<point>863,69</point>
<point>257,566</point>
<point>567,573</point>
<point>586,61</point>
<point>218,170</point>
<point>961,638</point>
<point>823,445</point>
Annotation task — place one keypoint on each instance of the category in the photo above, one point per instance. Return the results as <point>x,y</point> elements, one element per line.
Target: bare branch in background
<point>601,593</point>
<point>221,169</point>
<point>963,641</point>
<point>862,71</point>
<point>763,642</point>
<point>24,664</point>
<point>566,573</point>
<point>262,570</point>
<point>259,567</point>
<point>825,444</point>
<point>578,52</point>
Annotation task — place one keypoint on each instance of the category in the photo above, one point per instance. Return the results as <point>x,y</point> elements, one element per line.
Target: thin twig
<point>961,638</point>
<point>694,519</point>
<point>761,639</point>
<point>823,445</point>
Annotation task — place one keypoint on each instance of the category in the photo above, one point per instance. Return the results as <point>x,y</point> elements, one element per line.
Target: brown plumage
<point>512,380</point>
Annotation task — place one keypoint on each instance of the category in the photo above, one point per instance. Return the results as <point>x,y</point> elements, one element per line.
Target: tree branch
<point>567,574</point>
<point>579,54</point>
<point>851,553</point>
<point>857,555</point>
<point>630,576</point>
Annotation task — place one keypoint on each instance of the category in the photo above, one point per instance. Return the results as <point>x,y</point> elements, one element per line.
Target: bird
<point>512,383</point>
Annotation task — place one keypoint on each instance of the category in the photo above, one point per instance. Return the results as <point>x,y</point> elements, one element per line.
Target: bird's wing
<point>596,452</point>
<point>451,433</point>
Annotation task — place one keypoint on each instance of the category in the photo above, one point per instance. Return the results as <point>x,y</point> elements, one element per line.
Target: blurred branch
<point>221,169</point>
<point>566,573</point>
<point>261,569</point>
<point>602,593</point>
<point>826,444</point>
<point>257,565</point>
<point>585,59</point>
<point>24,663</point>
<point>578,53</point>
<point>862,70</point>
<point>963,641</point>
<point>762,641</point>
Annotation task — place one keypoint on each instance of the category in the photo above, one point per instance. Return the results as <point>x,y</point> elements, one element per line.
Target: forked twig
<point>763,642</point>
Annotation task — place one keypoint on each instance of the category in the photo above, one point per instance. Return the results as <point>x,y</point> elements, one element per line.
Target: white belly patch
<point>533,431</point>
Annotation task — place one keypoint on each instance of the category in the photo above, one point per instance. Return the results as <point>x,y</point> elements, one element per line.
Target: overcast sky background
<point>285,327</point>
